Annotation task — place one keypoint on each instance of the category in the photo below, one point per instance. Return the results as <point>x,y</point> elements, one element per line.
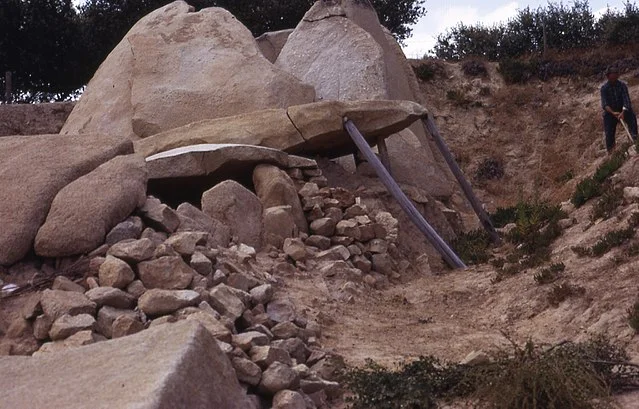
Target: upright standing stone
<point>238,208</point>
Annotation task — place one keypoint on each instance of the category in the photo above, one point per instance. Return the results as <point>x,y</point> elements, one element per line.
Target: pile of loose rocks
<point>345,239</point>
<point>147,276</point>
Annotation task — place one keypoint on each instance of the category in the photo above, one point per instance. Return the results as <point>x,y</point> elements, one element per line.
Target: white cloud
<point>437,20</point>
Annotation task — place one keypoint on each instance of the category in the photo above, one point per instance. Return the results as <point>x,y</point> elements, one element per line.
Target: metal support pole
<point>431,127</point>
<point>8,92</point>
<point>440,245</point>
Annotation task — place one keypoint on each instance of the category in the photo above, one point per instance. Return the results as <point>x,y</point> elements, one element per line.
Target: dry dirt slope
<point>539,132</point>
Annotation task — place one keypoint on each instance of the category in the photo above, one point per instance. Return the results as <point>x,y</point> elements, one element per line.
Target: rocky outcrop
<point>163,367</point>
<point>236,207</point>
<point>315,128</point>
<point>84,211</point>
<point>175,67</point>
<point>33,170</point>
<point>341,48</point>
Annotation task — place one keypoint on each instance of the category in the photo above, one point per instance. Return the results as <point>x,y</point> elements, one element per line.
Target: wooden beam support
<point>431,127</point>
<point>440,245</point>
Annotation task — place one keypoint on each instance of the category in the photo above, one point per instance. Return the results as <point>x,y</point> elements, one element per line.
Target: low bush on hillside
<point>611,198</point>
<point>593,186</point>
<point>474,68</point>
<point>612,239</point>
<point>517,71</point>
<point>550,274</point>
<point>428,70</point>
<point>473,247</point>
<point>567,375</point>
<point>490,169</point>
<point>460,99</point>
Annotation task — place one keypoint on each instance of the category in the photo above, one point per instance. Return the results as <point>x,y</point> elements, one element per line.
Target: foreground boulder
<point>33,170</point>
<point>315,128</point>
<point>171,366</point>
<point>177,66</point>
<point>87,209</point>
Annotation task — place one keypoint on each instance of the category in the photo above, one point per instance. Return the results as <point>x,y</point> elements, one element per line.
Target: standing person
<point>615,101</point>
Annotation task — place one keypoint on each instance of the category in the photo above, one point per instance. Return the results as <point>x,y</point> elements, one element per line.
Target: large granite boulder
<point>177,66</point>
<point>316,128</point>
<point>170,366</point>
<point>84,211</point>
<point>341,48</point>
<point>237,207</point>
<point>33,170</point>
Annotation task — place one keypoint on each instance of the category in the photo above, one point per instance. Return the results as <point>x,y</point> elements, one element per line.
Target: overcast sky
<point>444,14</point>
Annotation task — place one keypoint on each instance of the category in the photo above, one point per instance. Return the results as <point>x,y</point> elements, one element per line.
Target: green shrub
<point>610,200</point>
<point>611,240</point>
<point>490,169</point>
<point>592,187</point>
<point>474,68</point>
<point>472,247</point>
<point>566,177</point>
<point>425,72</point>
<point>568,375</point>
<point>550,274</point>
<point>516,71</point>
<point>459,98</point>
<point>585,190</point>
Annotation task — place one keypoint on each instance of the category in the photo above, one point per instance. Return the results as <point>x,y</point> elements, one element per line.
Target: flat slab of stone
<point>170,366</point>
<point>212,159</point>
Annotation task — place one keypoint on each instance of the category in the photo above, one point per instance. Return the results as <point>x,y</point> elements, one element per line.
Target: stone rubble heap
<point>162,265</point>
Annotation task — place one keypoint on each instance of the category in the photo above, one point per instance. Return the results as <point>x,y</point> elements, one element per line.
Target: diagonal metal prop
<point>435,240</point>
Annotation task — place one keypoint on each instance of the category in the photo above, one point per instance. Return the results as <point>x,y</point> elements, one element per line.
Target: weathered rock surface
<point>33,170</point>
<point>279,225</point>
<point>159,302</point>
<point>219,161</point>
<point>159,216</point>
<point>271,43</point>
<point>341,48</point>
<point>193,219</point>
<point>112,297</point>
<point>207,63</point>
<point>133,251</point>
<point>274,187</point>
<point>84,211</point>
<point>236,207</point>
<point>278,377</point>
<point>288,400</point>
<point>168,273</point>
<point>163,367</point>
<point>67,325</point>
<point>115,273</point>
<point>336,55</point>
<point>129,229</point>
<point>57,303</point>
<point>314,128</point>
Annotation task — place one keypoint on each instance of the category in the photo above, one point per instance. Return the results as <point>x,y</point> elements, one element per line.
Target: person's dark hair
<point>612,70</point>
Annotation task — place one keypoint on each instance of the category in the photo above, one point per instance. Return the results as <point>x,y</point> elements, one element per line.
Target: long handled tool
<point>625,126</point>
